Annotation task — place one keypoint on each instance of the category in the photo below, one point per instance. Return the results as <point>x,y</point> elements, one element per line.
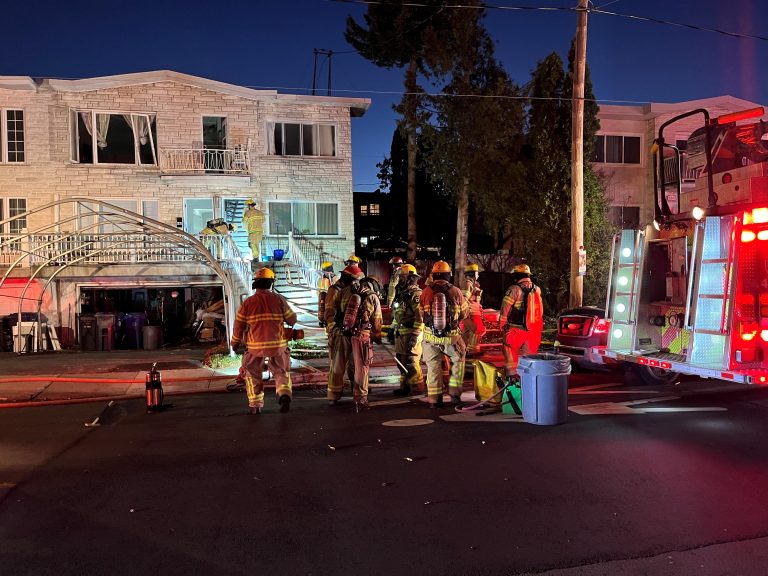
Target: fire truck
<point>689,295</point>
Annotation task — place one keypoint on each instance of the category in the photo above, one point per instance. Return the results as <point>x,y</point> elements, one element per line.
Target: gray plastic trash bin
<point>544,379</point>
<point>152,335</point>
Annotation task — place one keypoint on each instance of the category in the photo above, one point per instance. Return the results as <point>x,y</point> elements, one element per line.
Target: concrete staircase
<point>303,299</point>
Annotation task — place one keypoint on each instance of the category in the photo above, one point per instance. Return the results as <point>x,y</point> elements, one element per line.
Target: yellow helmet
<point>250,202</point>
<point>327,267</point>
<point>409,270</point>
<point>522,269</point>
<point>441,267</point>
<point>265,272</point>
<point>472,268</point>
<point>353,259</point>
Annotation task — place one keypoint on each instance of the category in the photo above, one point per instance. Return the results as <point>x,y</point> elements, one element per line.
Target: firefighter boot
<point>285,403</point>
<point>254,410</point>
<point>404,390</point>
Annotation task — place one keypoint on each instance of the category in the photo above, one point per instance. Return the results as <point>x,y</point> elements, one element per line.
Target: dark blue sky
<point>269,43</point>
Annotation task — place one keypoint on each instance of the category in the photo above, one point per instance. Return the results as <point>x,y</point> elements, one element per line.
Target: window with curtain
<point>308,218</point>
<point>113,138</point>
<point>293,139</point>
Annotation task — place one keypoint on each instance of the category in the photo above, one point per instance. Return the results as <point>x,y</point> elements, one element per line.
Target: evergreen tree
<point>395,35</point>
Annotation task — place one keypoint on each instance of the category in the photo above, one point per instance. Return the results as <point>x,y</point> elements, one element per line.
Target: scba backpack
<point>531,312</point>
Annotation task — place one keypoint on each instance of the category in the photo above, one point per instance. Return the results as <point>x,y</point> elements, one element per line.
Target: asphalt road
<point>674,485</point>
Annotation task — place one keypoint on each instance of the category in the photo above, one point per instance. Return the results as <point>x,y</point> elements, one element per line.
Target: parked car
<point>578,330</point>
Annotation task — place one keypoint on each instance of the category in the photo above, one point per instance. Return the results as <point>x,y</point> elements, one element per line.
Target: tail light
<point>602,326</point>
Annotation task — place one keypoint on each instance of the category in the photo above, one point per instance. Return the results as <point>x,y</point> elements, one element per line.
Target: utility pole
<point>577,156</point>
<point>329,54</point>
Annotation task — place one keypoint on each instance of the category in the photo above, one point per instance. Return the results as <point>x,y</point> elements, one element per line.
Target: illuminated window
<point>363,240</point>
<point>364,210</point>
<point>373,209</point>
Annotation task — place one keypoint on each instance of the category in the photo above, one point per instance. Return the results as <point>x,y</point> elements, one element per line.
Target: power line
<point>595,10</point>
<point>682,25</point>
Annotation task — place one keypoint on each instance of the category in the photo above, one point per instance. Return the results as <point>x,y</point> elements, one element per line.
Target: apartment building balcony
<point>143,253</point>
<point>234,161</point>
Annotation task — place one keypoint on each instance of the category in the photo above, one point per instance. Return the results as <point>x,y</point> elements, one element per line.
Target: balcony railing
<point>121,248</point>
<point>205,161</point>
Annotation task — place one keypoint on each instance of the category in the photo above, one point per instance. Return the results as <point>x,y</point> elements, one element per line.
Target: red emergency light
<point>736,116</point>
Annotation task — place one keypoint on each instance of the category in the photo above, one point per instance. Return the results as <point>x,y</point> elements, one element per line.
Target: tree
<point>546,226</point>
<point>478,121</point>
<point>398,36</point>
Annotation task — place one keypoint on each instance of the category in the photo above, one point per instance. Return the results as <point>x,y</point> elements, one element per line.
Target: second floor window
<point>302,139</point>
<point>616,149</point>
<point>12,136</point>
<point>113,138</point>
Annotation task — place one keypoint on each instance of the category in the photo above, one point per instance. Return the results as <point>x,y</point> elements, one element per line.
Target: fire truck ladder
<point>709,299</point>
<point>625,287</point>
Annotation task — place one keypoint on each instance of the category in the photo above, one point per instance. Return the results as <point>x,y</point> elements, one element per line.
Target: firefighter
<point>352,261</point>
<point>521,326</point>
<point>253,221</point>
<point>473,327</point>
<point>443,307</point>
<point>396,262</point>
<point>263,314</point>
<point>410,324</point>
<point>325,282</point>
<point>353,321</point>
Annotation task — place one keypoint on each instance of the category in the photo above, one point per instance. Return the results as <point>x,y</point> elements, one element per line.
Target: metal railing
<point>307,258</point>
<point>673,170</point>
<point>204,160</point>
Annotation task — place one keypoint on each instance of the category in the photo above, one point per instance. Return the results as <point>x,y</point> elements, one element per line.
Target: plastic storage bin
<point>134,323</point>
<point>152,336</point>
<point>544,379</point>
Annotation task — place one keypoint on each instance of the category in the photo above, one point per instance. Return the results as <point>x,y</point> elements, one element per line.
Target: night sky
<point>269,44</point>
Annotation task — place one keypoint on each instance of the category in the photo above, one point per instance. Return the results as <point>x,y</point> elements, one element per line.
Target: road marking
<point>408,422</point>
<point>601,389</point>
<point>627,407</point>
<point>474,417</point>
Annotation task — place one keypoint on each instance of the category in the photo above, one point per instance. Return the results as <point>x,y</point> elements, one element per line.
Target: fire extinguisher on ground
<point>154,390</point>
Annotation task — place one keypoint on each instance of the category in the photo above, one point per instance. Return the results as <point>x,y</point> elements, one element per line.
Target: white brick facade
<point>179,103</point>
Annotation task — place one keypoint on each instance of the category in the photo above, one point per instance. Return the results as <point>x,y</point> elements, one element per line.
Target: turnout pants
<point>433,358</point>
<point>408,349</point>
<point>353,355</point>
<point>279,365</point>
<point>518,341</point>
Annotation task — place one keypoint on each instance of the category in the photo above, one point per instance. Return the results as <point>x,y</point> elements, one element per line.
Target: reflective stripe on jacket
<point>263,314</point>
<point>407,315</point>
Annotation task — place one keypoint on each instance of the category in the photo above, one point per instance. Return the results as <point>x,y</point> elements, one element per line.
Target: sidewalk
<point>61,377</point>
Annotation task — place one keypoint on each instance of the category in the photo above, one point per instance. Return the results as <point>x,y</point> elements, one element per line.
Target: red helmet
<point>354,271</point>
<point>396,260</point>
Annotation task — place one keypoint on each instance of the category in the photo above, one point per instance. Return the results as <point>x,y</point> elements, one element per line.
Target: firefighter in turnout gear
<point>253,221</point>
<point>396,263</point>
<point>352,261</point>
<point>443,307</point>
<point>325,282</point>
<point>473,327</point>
<point>408,318</point>
<point>521,319</point>
<point>263,314</point>
<point>353,322</point>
